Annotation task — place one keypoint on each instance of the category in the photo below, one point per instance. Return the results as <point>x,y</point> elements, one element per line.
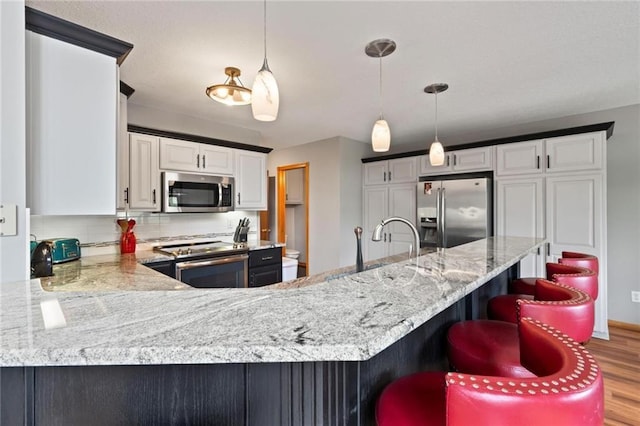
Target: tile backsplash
<point>104,230</point>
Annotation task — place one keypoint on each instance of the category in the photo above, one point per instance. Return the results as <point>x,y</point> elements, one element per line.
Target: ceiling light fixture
<point>381,134</point>
<point>436,150</point>
<point>266,98</point>
<point>232,92</point>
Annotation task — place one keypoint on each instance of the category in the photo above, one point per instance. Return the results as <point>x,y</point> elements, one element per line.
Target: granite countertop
<point>351,317</point>
<point>111,272</point>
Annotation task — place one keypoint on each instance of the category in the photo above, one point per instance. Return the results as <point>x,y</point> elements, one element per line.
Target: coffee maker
<point>41,261</point>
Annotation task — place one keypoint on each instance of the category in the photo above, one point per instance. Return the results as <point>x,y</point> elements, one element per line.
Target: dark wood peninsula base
<point>264,394</point>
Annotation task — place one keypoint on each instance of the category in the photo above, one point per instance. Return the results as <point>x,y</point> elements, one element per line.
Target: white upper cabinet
<point>575,152</point>
<point>401,170</point>
<point>295,186</point>
<point>144,176</point>
<point>251,180</point>
<point>457,161</point>
<point>520,158</point>
<point>195,157</point>
<point>123,156</point>
<point>72,101</point>
<point>562,154</point>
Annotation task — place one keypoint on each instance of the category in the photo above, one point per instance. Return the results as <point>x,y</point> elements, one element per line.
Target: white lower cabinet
<point>144,176</point>
<point>520,213</point>
<point>251,180</point>
<point>380,202</point>
<point>569,210</point>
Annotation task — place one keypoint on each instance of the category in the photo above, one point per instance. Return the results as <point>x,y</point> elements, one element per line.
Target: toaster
<point>64,249</point>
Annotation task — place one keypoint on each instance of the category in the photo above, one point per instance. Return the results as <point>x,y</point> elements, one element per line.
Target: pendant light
<point>231,92</point>
<point>436,150</point>
<point>266,98</point>
<point>381,134</point>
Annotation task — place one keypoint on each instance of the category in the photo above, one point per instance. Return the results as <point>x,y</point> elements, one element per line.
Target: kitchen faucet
<point>377,232</point>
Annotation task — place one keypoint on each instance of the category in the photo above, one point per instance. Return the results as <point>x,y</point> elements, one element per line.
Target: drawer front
<point>264,257</point>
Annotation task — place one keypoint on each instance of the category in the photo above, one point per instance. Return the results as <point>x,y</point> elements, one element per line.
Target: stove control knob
<point>179,252</point>
<point>188,251</point>
<point>174,253</point>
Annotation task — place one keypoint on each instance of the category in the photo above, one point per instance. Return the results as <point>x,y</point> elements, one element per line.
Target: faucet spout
<point>377,232</point>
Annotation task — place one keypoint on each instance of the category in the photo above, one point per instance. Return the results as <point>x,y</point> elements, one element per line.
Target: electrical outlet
<point>635,296</point>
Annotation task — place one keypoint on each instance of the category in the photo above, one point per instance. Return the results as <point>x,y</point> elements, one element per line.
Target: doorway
<point>293,211</point>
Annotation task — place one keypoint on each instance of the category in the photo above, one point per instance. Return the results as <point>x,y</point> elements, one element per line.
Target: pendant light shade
<point>436,153</point>
<point>381,134</point>
<point>436,150</point>
<point>231,92</point>
<point>266,97</point>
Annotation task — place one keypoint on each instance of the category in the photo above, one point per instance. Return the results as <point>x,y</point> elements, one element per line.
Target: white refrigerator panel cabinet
<point>72,97</point>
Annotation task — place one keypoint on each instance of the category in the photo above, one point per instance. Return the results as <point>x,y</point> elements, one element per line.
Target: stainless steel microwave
<point>196,193</point>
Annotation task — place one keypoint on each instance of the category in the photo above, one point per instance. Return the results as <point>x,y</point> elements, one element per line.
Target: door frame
<point>281,186</point>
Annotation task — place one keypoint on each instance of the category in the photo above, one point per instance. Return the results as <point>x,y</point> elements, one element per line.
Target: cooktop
<point>214,248</point>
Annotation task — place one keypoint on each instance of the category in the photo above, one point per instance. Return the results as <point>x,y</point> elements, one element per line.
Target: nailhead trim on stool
<point>556,304</point>
<point>569,392</point>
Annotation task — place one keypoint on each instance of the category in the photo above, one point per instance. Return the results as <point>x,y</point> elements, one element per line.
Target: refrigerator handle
<point>443,209</point>
<point>438,218</point>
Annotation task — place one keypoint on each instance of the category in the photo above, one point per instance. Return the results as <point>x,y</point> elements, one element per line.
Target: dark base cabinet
<point>265,267</point>
<point>331,393</point>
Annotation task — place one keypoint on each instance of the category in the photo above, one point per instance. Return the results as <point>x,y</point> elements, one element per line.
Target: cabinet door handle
<point>448,161</point>
<point>389,236</point>
<point>548,249</point>
<point>454,159</point>
<point>204,161</point>
<point>389,176</point>
<point>385,237</point>
<point>198,161</point>
<point>154,196</point>
<point>384,176</point>
<point>238,198</point>
<point>126,196</point>
<point>286,197</point>
<point>548,162</point>
<point>267,258</point>
<point>538,251</point>
<point>538,165</point>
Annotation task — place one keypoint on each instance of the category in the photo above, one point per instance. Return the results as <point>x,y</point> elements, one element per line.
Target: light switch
<point>8,223</point>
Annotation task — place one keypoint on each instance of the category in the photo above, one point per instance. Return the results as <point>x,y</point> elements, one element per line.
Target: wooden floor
<point>619,359</point>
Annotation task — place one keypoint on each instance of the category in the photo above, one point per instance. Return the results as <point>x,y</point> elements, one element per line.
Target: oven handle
<point>211,262</point>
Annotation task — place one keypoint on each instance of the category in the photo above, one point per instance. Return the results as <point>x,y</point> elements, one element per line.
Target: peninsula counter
<point>316,354</point>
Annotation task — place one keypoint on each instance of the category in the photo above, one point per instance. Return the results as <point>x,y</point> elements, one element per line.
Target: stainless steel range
<point>209,264</point>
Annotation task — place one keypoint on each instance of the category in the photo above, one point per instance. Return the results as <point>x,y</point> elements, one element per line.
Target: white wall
<point>623,196</point>
<point>165,120</point>
<point>335,197</point>
<point>351,152</point>
<point>14,260</point>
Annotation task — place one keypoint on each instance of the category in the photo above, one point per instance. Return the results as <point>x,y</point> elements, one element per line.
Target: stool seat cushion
<point>504,308</point>
<point>415,400</point>
<point>523,286</point>
<point>486,347</point>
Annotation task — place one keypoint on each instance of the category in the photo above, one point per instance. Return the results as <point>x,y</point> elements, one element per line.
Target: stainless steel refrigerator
<point>454,210</point>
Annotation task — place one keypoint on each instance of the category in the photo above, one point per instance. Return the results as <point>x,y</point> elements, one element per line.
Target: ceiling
<point>507,63</point>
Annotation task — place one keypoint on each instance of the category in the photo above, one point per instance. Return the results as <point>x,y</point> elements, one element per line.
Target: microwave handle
<point>219,195</point>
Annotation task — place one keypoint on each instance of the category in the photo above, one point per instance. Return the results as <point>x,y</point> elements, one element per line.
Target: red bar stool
<point>567,389</point>
<point>527,285</point>
<point>589,283</point>
<point>559,305</point>
<point>491,347</point>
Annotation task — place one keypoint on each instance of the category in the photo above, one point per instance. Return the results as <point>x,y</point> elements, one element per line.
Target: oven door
<point>217,272</point>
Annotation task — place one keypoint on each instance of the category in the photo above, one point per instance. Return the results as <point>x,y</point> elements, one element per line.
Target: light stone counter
<point>349,318</point>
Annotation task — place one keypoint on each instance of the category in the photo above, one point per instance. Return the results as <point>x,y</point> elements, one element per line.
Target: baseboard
<point>624,325</point>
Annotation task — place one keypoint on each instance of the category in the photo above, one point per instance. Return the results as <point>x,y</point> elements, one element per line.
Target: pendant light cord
<point>380,86</point>
<point>436,93</point>
<point>264,15</point>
